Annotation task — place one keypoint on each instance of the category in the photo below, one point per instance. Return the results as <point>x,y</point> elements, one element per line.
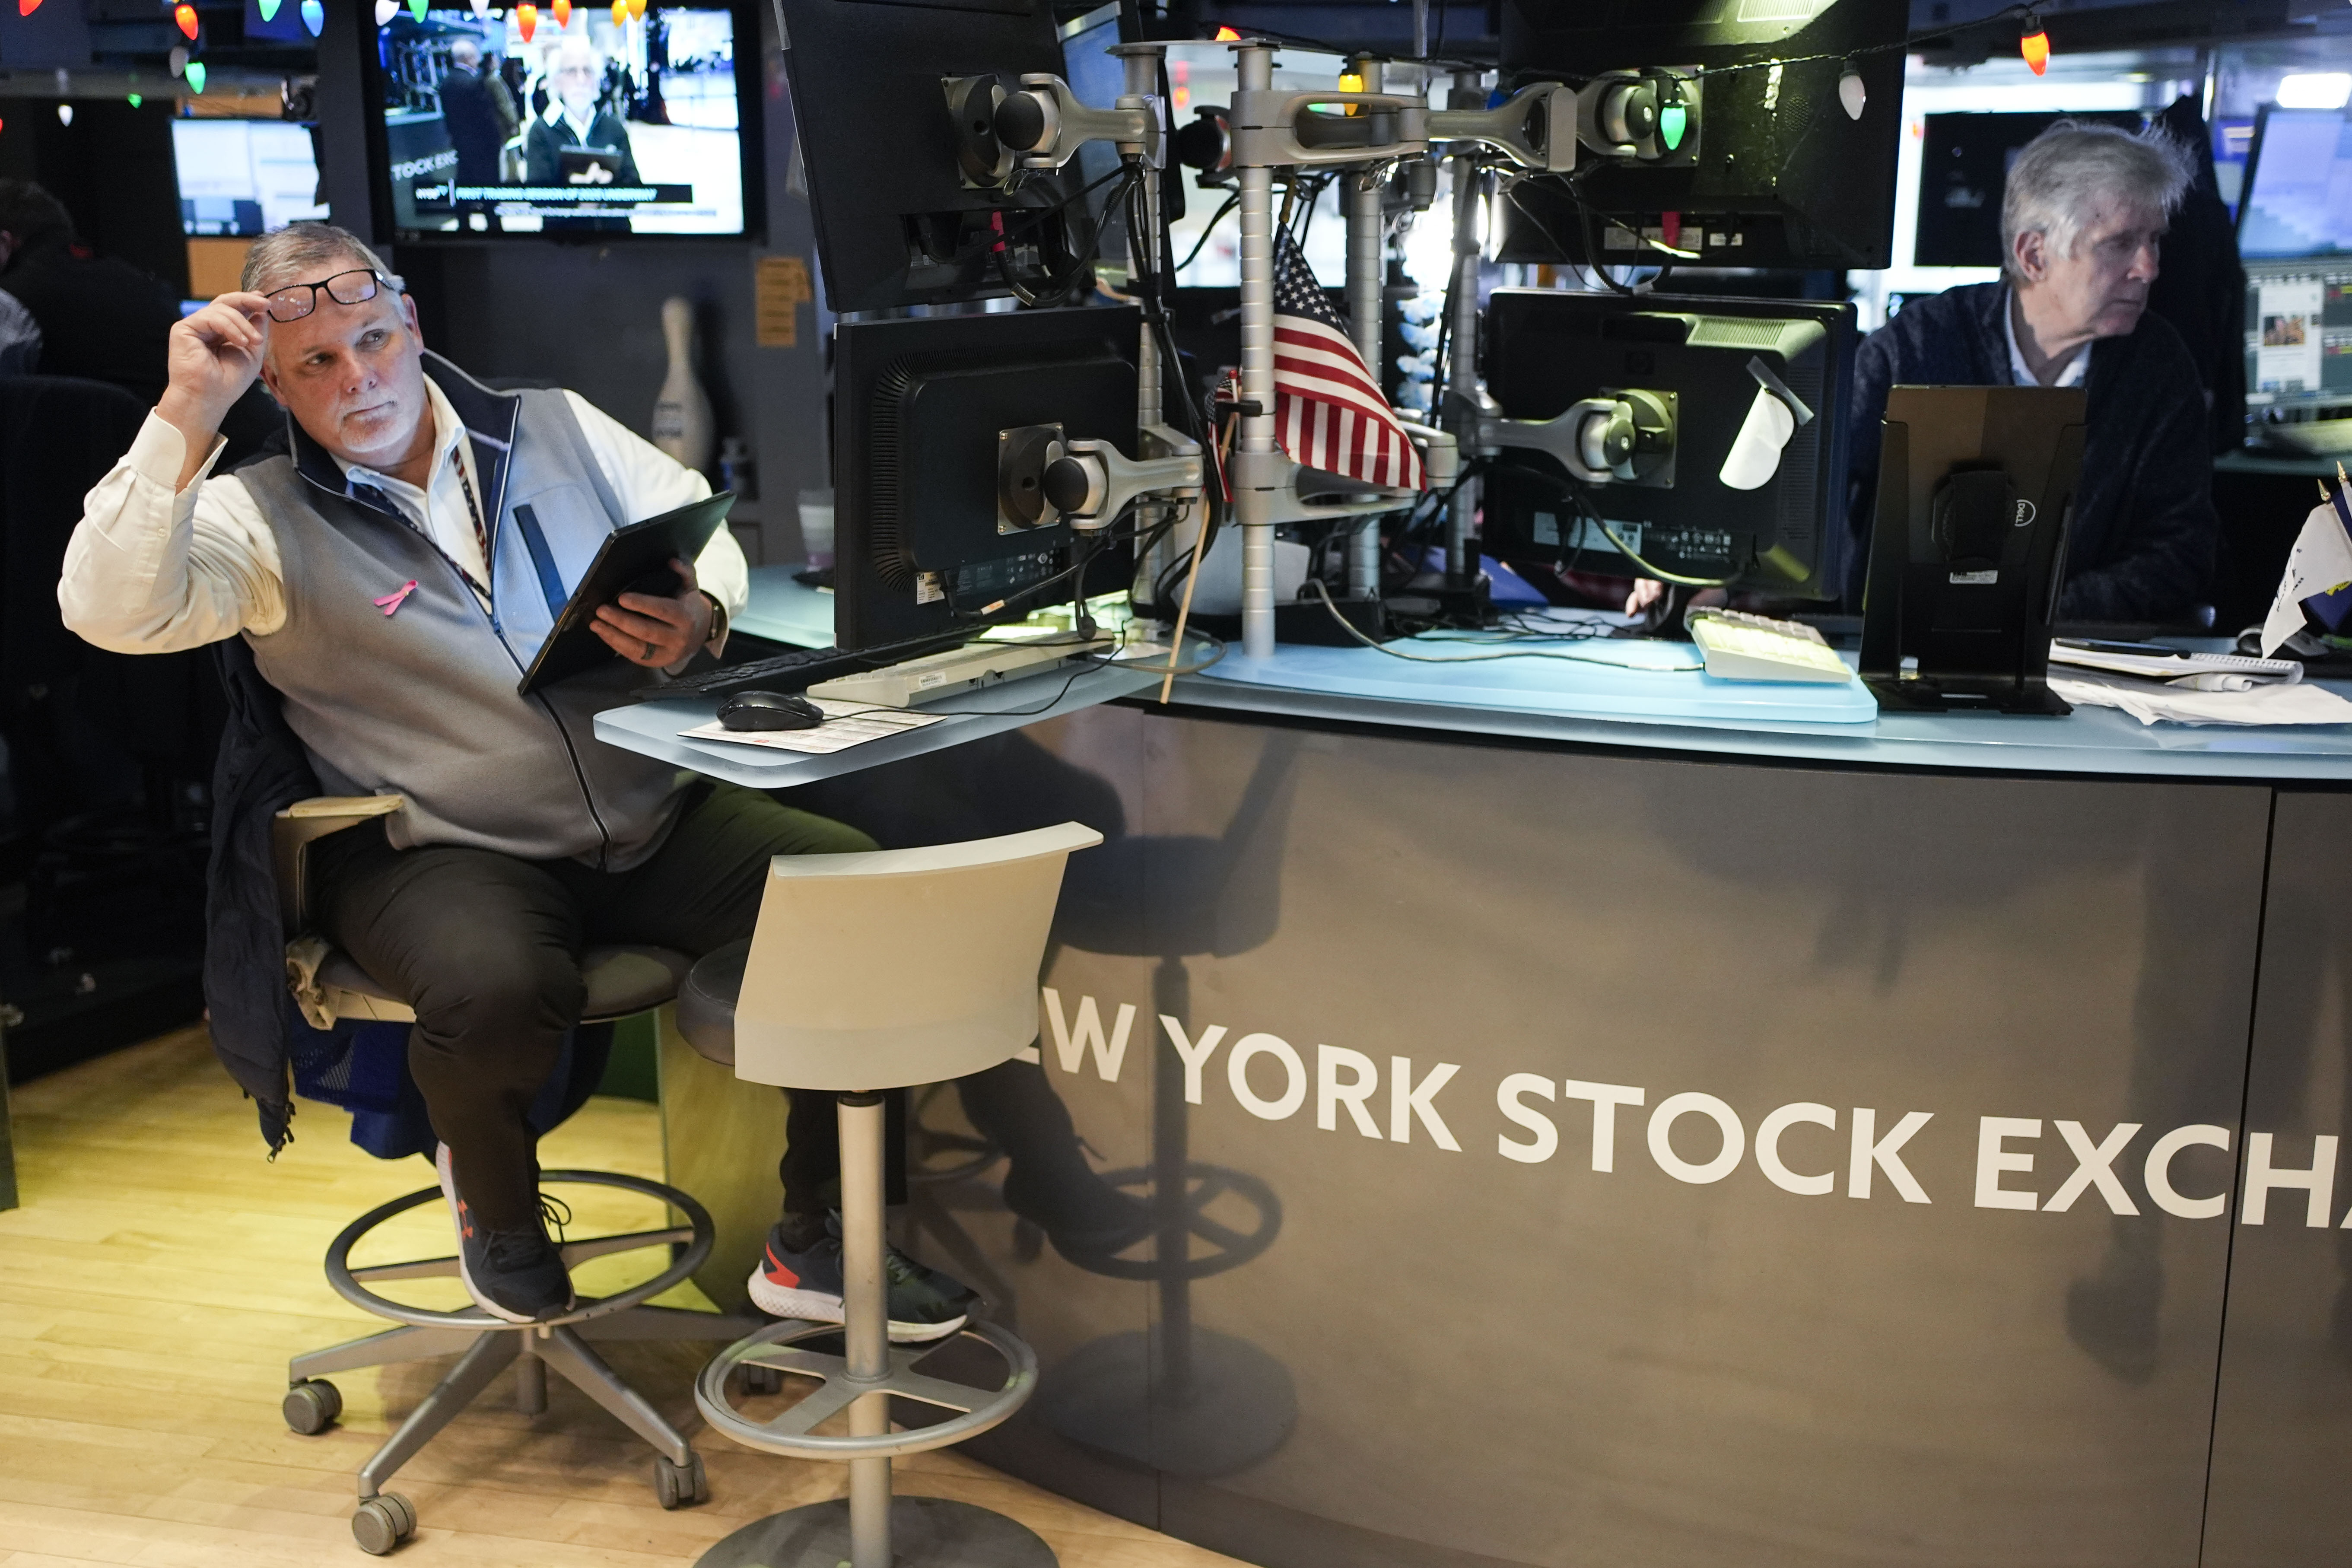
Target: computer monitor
<point>2297,198</point>
<point>922,544</point>
<point>239,178</point>
<point>896,223</point>
<point>1549,351</point>
<point>1964,161</point>
<point>1775,172</point>
<point>1098,76</point>
<point>505,123</point>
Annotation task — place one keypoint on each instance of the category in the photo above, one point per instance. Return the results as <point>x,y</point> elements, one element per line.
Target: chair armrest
<point>300,825</point>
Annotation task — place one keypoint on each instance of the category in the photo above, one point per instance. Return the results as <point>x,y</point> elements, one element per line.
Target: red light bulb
<point>26,7</point>
<point>525,20</point>
<point>563,12</point>
<point>2036,46</point>
<point>185,15</point>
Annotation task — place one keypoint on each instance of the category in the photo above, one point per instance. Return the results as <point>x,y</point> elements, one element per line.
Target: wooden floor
<point>161,1271</point>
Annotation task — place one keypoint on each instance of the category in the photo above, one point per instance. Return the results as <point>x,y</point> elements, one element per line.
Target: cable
<point>1214,218</point>
<point>1316,583</point>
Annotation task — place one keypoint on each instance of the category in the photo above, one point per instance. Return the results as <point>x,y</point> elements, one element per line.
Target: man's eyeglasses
<point>357,287</point>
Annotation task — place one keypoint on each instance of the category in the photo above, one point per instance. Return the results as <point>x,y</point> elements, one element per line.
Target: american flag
<point>1328,410</point>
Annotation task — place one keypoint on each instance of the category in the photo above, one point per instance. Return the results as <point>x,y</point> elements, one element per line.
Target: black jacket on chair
<point>2145,532</point>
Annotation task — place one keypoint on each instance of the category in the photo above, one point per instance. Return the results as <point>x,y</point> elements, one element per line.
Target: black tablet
<point>632,560</point>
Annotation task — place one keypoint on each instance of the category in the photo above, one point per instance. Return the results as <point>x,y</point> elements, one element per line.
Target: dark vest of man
<point>2145,532</point>
<point>544,142</point>
<point>469,108</point>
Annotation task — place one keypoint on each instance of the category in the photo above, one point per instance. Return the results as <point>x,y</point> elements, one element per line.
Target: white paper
<point>2320,562</point>
<point>1755,454</point>
<point>846,724</point>
<point>2301,703</point>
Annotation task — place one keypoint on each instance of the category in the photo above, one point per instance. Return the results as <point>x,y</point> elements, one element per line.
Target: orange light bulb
<point>26,7</point>
<point>2035,48</point>
<point>636,10</point>
<point>563,12</point>
<point>525,20</point>
<point>185,15</point>
<point>620,13</point>
<point>1227,36</point>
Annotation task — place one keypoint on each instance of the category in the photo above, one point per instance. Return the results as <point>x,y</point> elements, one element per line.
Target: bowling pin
<point>682,424</point>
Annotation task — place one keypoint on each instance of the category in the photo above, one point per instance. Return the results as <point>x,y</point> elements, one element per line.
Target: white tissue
<point>1755,454</point>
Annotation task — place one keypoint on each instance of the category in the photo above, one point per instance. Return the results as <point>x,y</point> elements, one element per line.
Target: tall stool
<point>621,980</point>
<point>867,972</point>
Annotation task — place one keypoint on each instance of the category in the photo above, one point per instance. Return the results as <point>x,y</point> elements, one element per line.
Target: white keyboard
<point>958,670</point>
<point>1741,646</point>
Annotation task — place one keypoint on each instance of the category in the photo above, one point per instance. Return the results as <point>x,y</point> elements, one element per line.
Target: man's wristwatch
<point>718,637</point>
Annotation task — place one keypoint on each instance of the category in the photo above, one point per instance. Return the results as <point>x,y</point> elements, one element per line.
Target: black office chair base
<point>925,1532</point>
<point>485,1346</point>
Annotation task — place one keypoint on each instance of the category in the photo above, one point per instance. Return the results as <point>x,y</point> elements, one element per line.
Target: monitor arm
<point>1625,437</point>
<point>1043,476</point>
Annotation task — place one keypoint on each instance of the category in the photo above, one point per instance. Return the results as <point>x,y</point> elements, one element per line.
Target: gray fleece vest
<point>423,701</point>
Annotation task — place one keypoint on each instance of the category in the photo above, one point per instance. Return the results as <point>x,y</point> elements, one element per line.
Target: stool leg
<point>865,1318</point>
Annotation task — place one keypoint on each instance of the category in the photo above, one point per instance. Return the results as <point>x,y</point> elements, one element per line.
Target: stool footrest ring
<point>776,1348</point>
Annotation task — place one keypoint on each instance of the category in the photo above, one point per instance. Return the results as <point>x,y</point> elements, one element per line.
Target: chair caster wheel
<point>312,1405</point>
<point>383,1523</point>
<point>762,1380</point>
<point>680,1485</point>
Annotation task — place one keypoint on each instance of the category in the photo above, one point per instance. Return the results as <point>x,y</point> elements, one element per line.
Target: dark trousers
<point>486,949</point>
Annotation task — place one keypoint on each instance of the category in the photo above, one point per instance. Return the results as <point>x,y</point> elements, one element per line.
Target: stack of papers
<point>846,724</point>
<point>2160,685</point>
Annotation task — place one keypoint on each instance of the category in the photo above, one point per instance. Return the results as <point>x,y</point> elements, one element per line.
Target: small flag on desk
<point>2318,567</point>
<point>1328,410</point>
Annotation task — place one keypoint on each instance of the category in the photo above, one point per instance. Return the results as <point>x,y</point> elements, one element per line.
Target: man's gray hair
<point>304,253</point>
<point>2062,177</point>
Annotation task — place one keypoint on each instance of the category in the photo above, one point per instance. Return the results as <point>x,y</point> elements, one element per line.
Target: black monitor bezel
<point>864,353</point>
<point>1839,317</point>
<point>750,138</point>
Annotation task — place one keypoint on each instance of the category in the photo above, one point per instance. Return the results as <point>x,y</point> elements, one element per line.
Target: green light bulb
<point>1673,121</point>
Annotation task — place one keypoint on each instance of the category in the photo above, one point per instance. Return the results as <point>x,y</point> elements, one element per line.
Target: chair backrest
<point>901,966</point>
<point>303,824</point>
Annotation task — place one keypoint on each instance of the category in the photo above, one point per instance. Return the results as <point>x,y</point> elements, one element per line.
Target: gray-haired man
<point>393,573</point>
<point>2083,214</point>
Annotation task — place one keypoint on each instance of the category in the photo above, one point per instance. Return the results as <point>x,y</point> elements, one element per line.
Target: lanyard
<point>481,531</point>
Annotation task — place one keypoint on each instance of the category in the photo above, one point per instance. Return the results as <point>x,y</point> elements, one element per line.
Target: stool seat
<point>622,980</point>
<point>707,999</point>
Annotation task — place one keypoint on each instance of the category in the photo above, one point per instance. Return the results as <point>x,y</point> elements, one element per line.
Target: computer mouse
<point>768,711</point>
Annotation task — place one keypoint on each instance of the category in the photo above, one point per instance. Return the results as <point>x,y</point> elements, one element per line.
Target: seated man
<point>385,574</point>
<point>2081,218</point>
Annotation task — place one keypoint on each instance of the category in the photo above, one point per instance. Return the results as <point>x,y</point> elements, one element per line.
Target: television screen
<point>611,122</point>
<point>244,178</point>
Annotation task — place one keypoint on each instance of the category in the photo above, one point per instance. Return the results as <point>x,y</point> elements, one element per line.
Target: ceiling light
<point>2315,90</point>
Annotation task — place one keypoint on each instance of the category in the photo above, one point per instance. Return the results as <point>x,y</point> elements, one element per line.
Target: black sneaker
<point>925,1304</point>
<point>517,1274</point>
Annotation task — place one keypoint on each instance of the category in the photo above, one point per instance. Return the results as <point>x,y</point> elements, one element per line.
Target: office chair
<point>622,981</point>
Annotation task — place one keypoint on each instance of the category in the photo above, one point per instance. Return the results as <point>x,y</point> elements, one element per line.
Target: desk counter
<point>1574,1140</point>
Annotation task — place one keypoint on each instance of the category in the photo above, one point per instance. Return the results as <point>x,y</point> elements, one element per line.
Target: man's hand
<point>656,632</point>
<point>212,357</point>
<point>1647,591</point>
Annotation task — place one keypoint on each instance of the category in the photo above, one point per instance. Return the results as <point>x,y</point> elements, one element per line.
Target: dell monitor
<point>506,122</point>
<point>1769,165</point>
<point>1692,492</point>
<point>239,178</point>
<point>897,222</point>
<point>922,543</point>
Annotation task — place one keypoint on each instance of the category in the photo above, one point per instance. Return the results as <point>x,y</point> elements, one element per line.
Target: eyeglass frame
<point>383,281</point>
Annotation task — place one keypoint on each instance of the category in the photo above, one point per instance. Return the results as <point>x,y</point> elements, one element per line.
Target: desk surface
<point>1553,701</point>
<point>1550,700</point>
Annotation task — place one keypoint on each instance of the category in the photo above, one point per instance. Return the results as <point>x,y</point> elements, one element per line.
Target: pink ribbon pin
<point>393,601</point>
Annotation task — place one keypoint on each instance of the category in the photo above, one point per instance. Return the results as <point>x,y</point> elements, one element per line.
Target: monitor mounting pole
<point>1258,466</point>
<point>1462,393</point>
<point>1365,280</point>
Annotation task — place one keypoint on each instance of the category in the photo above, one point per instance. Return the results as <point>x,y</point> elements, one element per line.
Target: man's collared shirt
<point>154,570</point>
<point>441,511</point>
<point>2076,368</point>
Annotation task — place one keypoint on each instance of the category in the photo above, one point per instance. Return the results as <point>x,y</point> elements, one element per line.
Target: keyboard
<point>958,670</point>
<point>1741,646</point>
<point>802,668</point>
